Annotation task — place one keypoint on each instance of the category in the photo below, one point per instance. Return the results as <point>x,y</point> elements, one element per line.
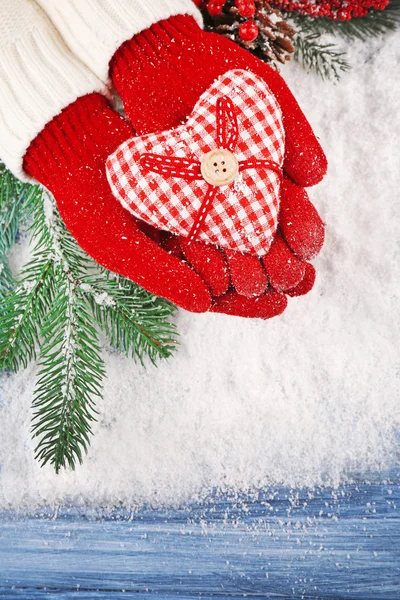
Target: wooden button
<point>219,167</point>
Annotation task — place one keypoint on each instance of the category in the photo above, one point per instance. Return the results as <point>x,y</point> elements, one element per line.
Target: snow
<point>309,398</point>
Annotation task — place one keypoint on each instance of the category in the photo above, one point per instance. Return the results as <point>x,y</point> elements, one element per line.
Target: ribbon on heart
<point>227,136</point>
<point>233,141</point>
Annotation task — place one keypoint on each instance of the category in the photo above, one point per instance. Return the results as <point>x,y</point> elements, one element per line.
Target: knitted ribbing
<point>95,29</point>
<point>39,76</point>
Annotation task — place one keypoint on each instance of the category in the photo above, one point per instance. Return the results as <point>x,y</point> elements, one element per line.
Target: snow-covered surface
<point>309,398</point>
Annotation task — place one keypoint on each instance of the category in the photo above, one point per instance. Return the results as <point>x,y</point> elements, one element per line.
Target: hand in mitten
<point>223,156</point>
<point>69,157</point>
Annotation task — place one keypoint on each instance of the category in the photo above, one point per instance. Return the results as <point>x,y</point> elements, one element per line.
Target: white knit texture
<point>39,76</point>
<point>94,29</point>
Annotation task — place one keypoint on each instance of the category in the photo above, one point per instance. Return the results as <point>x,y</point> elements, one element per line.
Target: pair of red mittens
<point>161,74</point>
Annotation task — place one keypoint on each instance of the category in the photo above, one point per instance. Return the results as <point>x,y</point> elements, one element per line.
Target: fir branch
<point>53,312</point>
<point>14,195</point>
<point>135,322</point>
<point>6,276</point>
<point>322,58</point>
<point>70,378</point>
<point>25,307</point>
<point>373,24</point>
<point>11,199</point>
<point>22,310</point>
<point>71,368</point>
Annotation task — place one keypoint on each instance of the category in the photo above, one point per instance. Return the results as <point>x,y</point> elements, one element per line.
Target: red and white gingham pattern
<point>244,214</point>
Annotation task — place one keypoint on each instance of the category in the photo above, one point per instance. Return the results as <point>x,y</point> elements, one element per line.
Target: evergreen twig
<point>24,303</point>
<point>52,312</point>
<point>135,321</point>
<point>70,378</point>
<point>325,59</point>
<point>71,368</point>
<point>13,197</point>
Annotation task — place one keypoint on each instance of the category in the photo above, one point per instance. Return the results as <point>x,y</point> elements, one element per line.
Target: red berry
<point>215,8</point>
<point>248,31</point>
<point>246,8</point>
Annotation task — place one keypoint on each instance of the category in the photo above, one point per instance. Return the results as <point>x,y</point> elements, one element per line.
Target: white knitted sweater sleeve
<point>54,51</point>
<point>39,76</point>
<point>94,29</point>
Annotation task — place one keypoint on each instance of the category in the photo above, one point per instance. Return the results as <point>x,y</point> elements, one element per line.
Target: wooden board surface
<point>336,544</point>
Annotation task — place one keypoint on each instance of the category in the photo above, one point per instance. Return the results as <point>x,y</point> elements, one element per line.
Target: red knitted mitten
<point>208,94</point>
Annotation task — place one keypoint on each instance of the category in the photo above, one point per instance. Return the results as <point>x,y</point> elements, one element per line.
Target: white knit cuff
<point>38,78</point>
<point>95,29</point>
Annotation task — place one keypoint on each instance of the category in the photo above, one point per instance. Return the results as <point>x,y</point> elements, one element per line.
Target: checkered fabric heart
<point>160,177</point>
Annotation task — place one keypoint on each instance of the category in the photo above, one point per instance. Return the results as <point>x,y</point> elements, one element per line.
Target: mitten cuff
<point>95,29</point>
<point>38,78</point>
<point>74,135</point>
<point>141,63</point>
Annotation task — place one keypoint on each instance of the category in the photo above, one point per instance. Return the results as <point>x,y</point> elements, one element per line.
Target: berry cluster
<point>254,24</point>
<point>335,9</point>
<point>248,30</point>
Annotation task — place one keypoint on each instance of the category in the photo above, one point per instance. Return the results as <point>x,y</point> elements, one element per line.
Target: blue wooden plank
<point>280,543</point>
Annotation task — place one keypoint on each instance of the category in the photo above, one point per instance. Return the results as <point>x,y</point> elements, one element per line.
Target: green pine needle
<point>6,276</point>
<point>135,322</point>
<point>70,378</point>
<point>21,312</point>
<point>54,311</point>
<point>23,304</point>
<point>14,196</point>
<point>323,59</point>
